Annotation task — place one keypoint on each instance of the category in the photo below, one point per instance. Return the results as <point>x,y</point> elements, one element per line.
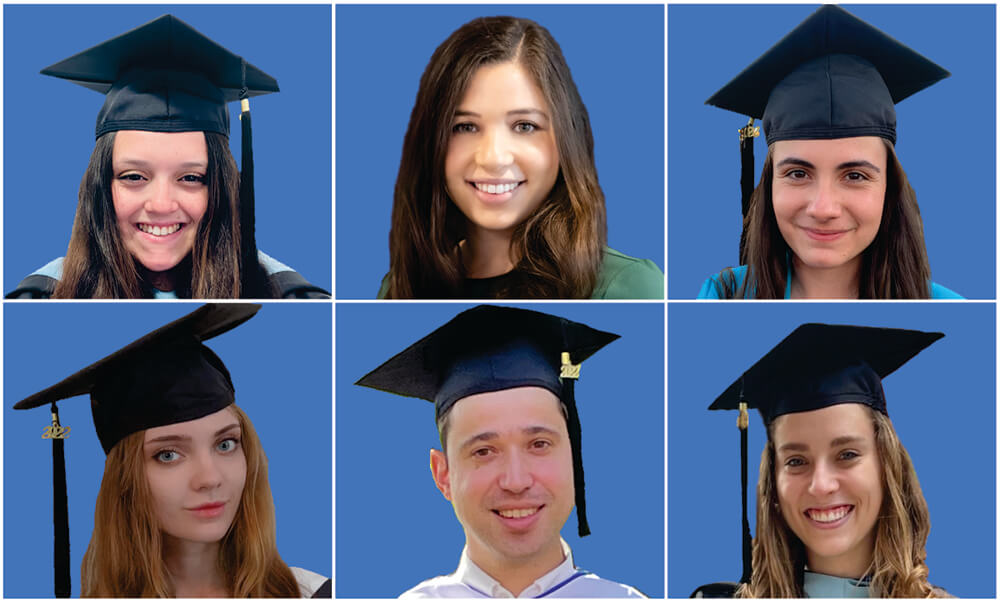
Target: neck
<point>516,574</point>
<point>840,282</point>
<point>193,568</point>
<point>486,253</point>
<point>166,280</point>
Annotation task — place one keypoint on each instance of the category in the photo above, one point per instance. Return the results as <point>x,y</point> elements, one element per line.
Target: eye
<point>856,176</point>
<point>525,127</point>
<point>166,456</point>
<point>463,128</point>
<point>796,174</point>
<point>482,452</point>
<point>228,445</point>
<point>193,178</point>
<point>541,444</point>
<point>795,462</point>
<point>848,454</point>
<point>131,177</point>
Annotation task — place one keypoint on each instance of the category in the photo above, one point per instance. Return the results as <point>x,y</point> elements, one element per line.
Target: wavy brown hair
<point>558,249</point>
<point>125,555</point>
<point>894,266</point>
<point>899,568</point>
<point>97,264</point>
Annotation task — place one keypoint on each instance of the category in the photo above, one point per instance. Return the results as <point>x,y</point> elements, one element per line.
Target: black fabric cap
<point>820,365</point>
<point>164,76</point>
<point>483,349</point>
<point>165,377</point>
<point>833,76</point>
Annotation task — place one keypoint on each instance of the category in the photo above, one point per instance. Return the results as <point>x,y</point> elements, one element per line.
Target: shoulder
<point>40,283</point>
<point>588,585</point>
<point>289,283</point>
<point>717,286</point>
<point>312,585</point>
<point>942,292</point>
<point>445,586</point>
<point>624,277</point>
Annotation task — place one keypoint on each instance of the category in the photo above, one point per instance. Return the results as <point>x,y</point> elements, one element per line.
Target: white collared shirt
<point>564,581</point>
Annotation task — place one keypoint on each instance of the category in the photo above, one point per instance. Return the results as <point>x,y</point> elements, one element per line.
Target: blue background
<point>390,514</point>
<point>280,363</point>
<point>49,125</point>
<point>946,135</point>
<point>942,404</point>
<point>616,56</point>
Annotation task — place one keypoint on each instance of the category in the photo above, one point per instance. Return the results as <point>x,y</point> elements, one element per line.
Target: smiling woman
<point>497,193</point>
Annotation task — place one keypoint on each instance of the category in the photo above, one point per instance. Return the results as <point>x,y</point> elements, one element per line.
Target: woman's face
<point>159,194</point>
<point>828,197</point>
<point>502,159</point>
<point>196,471</point>
<point>829,480</point>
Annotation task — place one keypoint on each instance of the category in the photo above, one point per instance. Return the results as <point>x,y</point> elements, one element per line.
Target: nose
<point>516,476</point>
<point>206,475</point>
<point>494,150</point>
<point>161,199</point>
<point>824,480</point>
<point>825,203</point>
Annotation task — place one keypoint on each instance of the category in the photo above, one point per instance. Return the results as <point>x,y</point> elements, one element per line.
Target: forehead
<point>504,86</point>
<point>153,145</point>
<point>206,426</point>
<point>817,428</point>
<point>506,411</point>
<point>867,148</point>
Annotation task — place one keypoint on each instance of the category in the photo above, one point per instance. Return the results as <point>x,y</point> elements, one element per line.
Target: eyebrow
<point>165,438</point>
<point>844,165</point>
<point>141,163</point>
<point>839,441</point>
<point>528,111</point>
<point>491,435</point>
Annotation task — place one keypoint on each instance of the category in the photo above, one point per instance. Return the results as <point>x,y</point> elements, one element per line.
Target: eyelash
<point>185,179</point>
<point>158,456</point>
<point>521,127</point>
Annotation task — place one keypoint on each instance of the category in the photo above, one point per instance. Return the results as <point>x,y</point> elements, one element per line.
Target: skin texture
<point>827,461</point>
<point>828,197</point>
<point>509,450</point>
<point>502,134</point>
<point>159,181</point>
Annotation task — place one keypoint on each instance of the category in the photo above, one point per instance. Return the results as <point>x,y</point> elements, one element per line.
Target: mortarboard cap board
<point>833,76</point>
<point>165,76</point>
<point>490,348</point>
<point>165,377</point>
<point>814,367</point>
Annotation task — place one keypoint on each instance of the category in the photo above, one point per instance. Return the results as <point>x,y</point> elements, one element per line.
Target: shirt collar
<point>477,579</point>
<point>817,585</point>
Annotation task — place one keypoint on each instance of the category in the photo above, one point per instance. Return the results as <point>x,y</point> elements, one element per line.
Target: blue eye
<point>166,456</point>
<point>227,445</point>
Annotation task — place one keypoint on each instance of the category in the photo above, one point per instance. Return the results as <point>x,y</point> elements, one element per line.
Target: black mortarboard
<point>165,76</point>
<point>490,348</point>
<point>833,76</point>
<point>166,377</point>
<point>814,367</point>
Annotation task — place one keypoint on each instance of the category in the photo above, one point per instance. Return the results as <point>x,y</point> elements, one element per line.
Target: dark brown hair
<point>894,266</point>
<point>558,249</point>
<point>98,265</point>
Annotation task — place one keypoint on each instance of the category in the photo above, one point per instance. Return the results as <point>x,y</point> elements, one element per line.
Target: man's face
<point>509,475</point>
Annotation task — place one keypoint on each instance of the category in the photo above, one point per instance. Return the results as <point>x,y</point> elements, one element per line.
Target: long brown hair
<point>894,266</point>
<point>899,568</point>
<point>97,264</point>
<point>559,248</point>
<point>125,555</point>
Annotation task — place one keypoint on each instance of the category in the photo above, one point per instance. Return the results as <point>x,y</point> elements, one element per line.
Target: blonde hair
<point>125,555</point>
<point>899,568</point>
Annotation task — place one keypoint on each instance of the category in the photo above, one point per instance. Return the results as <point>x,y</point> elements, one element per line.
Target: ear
<point>439,470</point>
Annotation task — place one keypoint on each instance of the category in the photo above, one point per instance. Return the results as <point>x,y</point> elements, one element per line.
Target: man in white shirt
<point>510,461</point>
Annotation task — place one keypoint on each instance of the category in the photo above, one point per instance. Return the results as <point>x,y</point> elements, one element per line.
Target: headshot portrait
<point>525,457</point>
<point>868,444</point>
<point>491,155</point>
<point>143,115</point>
<point>844,185</point>
<point>197,416</point>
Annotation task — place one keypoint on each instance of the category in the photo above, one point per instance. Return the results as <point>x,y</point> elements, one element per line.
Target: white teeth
<point>159,231</point>
<point>829,516</point>
<point>519,513</point>
<point>497,188</point>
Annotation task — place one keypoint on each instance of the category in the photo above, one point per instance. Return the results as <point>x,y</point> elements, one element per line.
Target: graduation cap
<point>165,377</point>
<point>165,76</point>
<point>815,367</point>
<point>490,348</point>
<point>833,76</point>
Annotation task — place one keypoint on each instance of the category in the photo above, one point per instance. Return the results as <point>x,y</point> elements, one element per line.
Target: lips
<point>519,512</point>
<point>495,188</point>
<point>830,515</point>
<point>824,235</point>
<point>210,510</point>
<point>159,230</point>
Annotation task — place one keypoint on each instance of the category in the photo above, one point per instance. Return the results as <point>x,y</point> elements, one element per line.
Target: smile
<point>211,510</point>
<point>518,512</point>
<point>496,188</point>
<point>159,230</point>
<point>824,235</point>
<point>828,515</point>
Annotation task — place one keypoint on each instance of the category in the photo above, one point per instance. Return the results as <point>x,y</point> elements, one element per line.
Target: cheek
<point>455,160</point>
<point>196,205</point>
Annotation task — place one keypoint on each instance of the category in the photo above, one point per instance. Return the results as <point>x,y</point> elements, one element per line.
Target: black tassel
<point>253,283</point>
<point>60,510</point>
<point>747,135</point>
<point>575,441</point>
<point>747,540</point>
